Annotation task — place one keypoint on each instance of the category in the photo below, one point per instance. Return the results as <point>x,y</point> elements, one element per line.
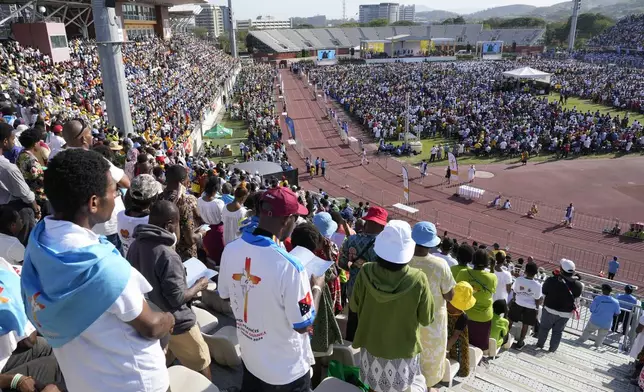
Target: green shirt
<point>458,268</point>
<point>484,285</point>
<point>499,329</point>
<point>391,306</point>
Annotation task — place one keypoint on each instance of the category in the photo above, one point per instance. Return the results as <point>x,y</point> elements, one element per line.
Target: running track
<point>347,178</point>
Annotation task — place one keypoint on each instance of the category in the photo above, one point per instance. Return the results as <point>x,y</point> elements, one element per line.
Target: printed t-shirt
<point>270,296</point>
<point>526,291</point>
<point>126,225</point>
<point>484,285</point>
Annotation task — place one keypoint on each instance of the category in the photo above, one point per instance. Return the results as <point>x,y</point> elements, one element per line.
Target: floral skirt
<point>388,375</point>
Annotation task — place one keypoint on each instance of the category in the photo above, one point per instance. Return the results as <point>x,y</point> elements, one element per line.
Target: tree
<point>404,23</point>
<point>224,43</point>
<point>304,26</point>
<point>250,43</point>
<point>200,32</point>
<point>588,25</point>
<point>350,24</point>
<point>514,23</point>
<point>458,20</point>
<point>378,23</point>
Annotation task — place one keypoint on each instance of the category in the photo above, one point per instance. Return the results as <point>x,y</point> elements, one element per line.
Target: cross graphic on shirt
<point>247,282</point>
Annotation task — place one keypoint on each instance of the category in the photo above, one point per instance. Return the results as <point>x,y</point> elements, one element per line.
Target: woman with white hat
<point>392,301</point>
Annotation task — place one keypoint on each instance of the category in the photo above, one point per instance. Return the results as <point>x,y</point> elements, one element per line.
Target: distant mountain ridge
<point>615,9</point>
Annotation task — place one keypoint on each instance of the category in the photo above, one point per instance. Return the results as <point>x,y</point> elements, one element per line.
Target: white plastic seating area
<point>469,192</point>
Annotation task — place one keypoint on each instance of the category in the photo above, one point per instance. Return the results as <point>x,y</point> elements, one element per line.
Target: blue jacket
<point>64,293</point>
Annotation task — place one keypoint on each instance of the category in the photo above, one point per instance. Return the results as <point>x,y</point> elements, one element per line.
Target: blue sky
<point>245,9</point>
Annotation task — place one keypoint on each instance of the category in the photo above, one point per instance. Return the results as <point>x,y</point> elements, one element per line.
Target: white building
<point>407,13</point>
<point>263,23</point>
<point>214,18</point>
<point>387,11</point>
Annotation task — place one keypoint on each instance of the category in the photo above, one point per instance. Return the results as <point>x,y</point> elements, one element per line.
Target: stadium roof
<point>293,40</point>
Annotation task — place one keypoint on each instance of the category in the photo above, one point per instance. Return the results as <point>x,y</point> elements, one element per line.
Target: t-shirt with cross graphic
<point>270,296</point>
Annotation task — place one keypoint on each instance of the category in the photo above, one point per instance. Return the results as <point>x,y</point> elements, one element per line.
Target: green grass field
<point>581,105</point>
<point>240,134</point>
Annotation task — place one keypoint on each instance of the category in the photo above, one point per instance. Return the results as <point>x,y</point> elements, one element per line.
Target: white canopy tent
<point>528,73</point>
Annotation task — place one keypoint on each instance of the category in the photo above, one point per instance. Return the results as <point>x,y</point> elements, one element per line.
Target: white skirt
<point>388,375</point>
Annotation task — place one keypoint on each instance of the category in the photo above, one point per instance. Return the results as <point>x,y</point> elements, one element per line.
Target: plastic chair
<point>451,369</point>
<point>493,350</point>
<point>186,380</point>
<point>224,346</point>
<point>206,320</point>
<point>332,384</point>
<point>476,355</point>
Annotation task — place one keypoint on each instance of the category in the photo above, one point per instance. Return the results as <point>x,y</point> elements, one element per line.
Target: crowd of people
<point>627,33</point>
<point>171,85</point>
<point>469,102</point>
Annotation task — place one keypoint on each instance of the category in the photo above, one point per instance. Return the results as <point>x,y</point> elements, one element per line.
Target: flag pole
<point>407,120</point>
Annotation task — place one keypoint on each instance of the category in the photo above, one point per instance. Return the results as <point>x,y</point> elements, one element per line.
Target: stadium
<point>290,43</point>
<point>391,209</point>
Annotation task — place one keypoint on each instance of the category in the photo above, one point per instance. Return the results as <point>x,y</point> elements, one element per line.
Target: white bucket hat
<point>394,244</point>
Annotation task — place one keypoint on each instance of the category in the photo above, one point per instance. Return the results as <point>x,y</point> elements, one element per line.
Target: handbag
<point>349,374</point>
<point>575,309</point>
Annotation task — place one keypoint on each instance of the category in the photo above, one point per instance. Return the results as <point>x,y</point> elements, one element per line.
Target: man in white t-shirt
<point>446,248</point>
<point>233,214</point>
<point>272,299</point>
<point>504,278</point>
<point>525,302</point>
<point>78,135</point>
<point>11,249</point>
<point>82,295</point>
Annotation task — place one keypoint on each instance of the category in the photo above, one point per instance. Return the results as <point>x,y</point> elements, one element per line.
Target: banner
<point>405,184</point>
<point>376,47</point>
<point>453,165</point>
<point>426,46</point>
<point>291,126</point>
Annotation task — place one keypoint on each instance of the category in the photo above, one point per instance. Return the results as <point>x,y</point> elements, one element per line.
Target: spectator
<point>14,191</point>
<point>233,214</point>
<point>525,302</point>
<point>211,209</point>
<point>98,300</point>
<point>603,309</point>
<point>457,321</point>
<point>152,255</point>
<point>613,267</point>
<point>175,192</point>
<point>560,296</point>
<point>464,258</point>
<point>31,169</point>
<point>397,298</point>
<point>484,284</point>
<point>626,302</point>
<point>441,284</point>
<point>503,276</point>
<point>328,250</point>
<point>144,191</point>
<point>445,252</point>
<point>358,250</point>
<point>253,269</point>
<point>500,326</point>
<point>11,250</point>
<point>26,360</point>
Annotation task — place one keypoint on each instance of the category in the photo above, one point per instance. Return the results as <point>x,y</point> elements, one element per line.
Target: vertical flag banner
<point>291,126</point>
<point>453,165</point>
<point>405,183</point>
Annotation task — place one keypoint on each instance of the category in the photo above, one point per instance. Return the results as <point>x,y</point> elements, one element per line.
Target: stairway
<point>573,368</point>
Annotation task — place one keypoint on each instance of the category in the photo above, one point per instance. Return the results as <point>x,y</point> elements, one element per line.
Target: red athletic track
<point>347,178</point>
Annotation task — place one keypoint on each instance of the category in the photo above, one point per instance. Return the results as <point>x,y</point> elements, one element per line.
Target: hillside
<point>613,8</point>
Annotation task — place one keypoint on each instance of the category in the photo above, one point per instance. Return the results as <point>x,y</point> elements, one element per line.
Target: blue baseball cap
<point>424,234</point>
<point>325,224</point>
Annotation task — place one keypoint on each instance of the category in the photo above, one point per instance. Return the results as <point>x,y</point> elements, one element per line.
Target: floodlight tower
<point>233,30</point>
<point>344,10</point>
<point>576,6</point>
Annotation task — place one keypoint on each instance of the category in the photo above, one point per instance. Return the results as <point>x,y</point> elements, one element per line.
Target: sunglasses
<point>83,127</point>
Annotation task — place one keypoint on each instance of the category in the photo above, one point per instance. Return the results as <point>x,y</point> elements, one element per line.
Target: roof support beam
<point>16,12</point>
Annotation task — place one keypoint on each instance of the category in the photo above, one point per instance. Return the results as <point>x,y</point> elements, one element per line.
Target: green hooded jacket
<point>391,306</point>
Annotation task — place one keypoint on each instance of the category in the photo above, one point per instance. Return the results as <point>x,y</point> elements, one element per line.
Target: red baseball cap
<point>281,201</point>
<point>57,128</point>
<point>377,215</point>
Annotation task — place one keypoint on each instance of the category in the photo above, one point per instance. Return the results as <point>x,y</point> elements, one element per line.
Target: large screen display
<point>492,47</point>
<point>326,54</point>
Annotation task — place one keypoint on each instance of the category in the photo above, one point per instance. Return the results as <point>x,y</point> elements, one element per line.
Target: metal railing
<point>544,251</point>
